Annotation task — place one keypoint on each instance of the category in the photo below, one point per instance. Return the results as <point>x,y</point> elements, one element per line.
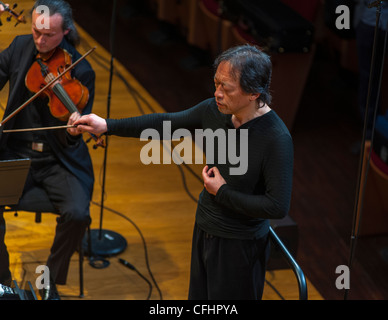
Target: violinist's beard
<point>42,49</point>
<point>45,48</point>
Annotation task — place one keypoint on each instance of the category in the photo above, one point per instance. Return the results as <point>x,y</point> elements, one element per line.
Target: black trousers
<point>227,269</point>
<point>70,199</point>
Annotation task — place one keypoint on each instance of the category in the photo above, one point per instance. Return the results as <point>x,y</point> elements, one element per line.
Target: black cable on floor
<point>132,267</point>
<point>143,240</point>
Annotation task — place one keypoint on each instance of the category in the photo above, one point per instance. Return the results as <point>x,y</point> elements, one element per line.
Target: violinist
<point>60,161</point>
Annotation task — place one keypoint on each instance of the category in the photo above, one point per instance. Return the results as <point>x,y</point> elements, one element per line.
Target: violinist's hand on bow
<point>91,123</point>
<point>212,179</point>
<point>73,117</point>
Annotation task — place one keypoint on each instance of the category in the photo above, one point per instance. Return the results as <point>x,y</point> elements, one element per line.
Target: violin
<point>48,75</point>
<point>12,14</point>
<point>67,95</point>
<point>52,82</point>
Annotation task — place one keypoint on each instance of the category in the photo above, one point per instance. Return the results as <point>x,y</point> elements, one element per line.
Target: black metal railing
<point>292,263</point>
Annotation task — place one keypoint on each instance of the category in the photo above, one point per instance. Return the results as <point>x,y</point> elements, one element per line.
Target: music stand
<point>13,175</point>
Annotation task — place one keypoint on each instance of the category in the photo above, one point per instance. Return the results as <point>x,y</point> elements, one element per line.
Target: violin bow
<point>38,129</point>
<point>44,88</point>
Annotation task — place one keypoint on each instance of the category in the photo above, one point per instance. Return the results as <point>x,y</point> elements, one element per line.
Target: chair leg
<point>81,260</point>
<point>89,243</point>
<point>81,270</point>
<point>38,217</point>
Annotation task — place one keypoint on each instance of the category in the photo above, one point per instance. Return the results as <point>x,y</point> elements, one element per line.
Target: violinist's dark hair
<point>63,8</point>
<point>252,67</point>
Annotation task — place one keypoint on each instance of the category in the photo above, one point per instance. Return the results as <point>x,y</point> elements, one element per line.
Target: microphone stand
<point>106,242</point>
<point>357,213</point>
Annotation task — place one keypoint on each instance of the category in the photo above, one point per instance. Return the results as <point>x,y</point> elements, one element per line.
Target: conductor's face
<point>47,34</point>
<point>230,97</point>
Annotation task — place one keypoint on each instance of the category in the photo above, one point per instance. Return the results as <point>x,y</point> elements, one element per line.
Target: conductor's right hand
<point>91,123</point>
<point>2,8</point>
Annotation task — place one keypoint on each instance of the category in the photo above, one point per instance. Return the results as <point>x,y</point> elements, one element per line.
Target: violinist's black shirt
<point>73,154</point>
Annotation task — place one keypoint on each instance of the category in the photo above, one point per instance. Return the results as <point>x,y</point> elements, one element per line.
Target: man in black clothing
<point>61,163</point>
<point>230,240</point>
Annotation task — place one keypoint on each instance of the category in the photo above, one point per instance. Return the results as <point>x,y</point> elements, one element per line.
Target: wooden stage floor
<point>146,202</point>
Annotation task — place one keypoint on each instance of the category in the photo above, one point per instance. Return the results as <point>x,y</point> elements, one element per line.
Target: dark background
<point>326,130</point>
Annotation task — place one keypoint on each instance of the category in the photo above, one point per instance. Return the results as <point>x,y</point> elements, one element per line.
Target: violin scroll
<point>13,14</point>
<point>99,142</point>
